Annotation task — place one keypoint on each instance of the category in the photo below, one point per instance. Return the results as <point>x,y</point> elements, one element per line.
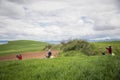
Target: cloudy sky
<point>58,20</point>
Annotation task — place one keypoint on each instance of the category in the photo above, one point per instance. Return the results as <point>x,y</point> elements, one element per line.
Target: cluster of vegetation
<point>79,46</point>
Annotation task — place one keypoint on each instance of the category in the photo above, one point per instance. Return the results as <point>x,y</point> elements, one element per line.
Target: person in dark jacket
<point>49,53</point>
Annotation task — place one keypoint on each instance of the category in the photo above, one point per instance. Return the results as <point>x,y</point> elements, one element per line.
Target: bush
<point>81,45</point>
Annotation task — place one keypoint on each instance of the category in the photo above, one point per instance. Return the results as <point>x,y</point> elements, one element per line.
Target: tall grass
<point>63,68</point>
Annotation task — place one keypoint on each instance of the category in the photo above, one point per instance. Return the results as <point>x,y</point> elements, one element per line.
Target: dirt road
<point>28,55</point>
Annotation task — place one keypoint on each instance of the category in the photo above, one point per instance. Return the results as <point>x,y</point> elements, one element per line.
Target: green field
<point>20,46</point>
<point>70,67</point>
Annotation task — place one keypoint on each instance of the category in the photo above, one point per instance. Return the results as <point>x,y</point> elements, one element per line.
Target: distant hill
<point>18,46</point>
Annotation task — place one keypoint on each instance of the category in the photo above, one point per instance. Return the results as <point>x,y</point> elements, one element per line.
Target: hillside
<point>19,46</point>
<point>70,65</point>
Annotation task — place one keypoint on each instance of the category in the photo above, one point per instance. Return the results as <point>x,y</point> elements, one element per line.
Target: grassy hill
<point>72,65</point>
<point>19,46</point>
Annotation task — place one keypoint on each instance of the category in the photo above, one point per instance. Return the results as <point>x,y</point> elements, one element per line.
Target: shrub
<point>81,45</point>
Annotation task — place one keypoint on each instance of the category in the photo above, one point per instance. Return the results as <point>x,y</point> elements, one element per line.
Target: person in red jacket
<point>109,49</point>
<point>19,57</point>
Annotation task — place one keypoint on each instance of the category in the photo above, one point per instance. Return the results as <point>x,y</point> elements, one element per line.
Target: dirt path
<point>28,55</point>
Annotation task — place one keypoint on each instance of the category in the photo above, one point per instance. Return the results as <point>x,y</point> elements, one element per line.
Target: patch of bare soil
<point>28,55</point>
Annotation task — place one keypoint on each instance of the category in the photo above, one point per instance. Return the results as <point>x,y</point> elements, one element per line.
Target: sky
<point>57,20</point>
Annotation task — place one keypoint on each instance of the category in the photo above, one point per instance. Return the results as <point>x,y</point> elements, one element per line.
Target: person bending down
<point>49,53</point>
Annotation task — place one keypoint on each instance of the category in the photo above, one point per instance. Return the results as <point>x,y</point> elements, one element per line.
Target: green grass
<point>70,65</point>
<point>63,68</point>
<point>20,46</point>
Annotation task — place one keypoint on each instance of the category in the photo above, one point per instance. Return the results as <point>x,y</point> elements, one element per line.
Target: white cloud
<point>47,5</point>
<point>58,20</point>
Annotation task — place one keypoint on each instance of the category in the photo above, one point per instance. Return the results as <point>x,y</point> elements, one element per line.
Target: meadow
<point>20,46</point>
<point>69,65</point>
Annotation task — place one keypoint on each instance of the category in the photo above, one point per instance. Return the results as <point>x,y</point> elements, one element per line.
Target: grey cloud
<point>48,14</point>
<point>11,10</point>
<point>17,1</point>
<point>104,28</point>
<point>2,25</point>
<point>118,4</point>
<point>47,24</point>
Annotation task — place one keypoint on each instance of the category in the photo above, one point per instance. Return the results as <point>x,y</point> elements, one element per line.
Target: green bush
<point>81,45</point>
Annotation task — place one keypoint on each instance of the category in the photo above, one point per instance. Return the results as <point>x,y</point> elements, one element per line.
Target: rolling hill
<point>73,67</point>
<point>19,46</point>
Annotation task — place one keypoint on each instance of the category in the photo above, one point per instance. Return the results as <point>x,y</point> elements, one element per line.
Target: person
<point>49,53</point>
<point>19,56</point>
<point>109,49</point>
